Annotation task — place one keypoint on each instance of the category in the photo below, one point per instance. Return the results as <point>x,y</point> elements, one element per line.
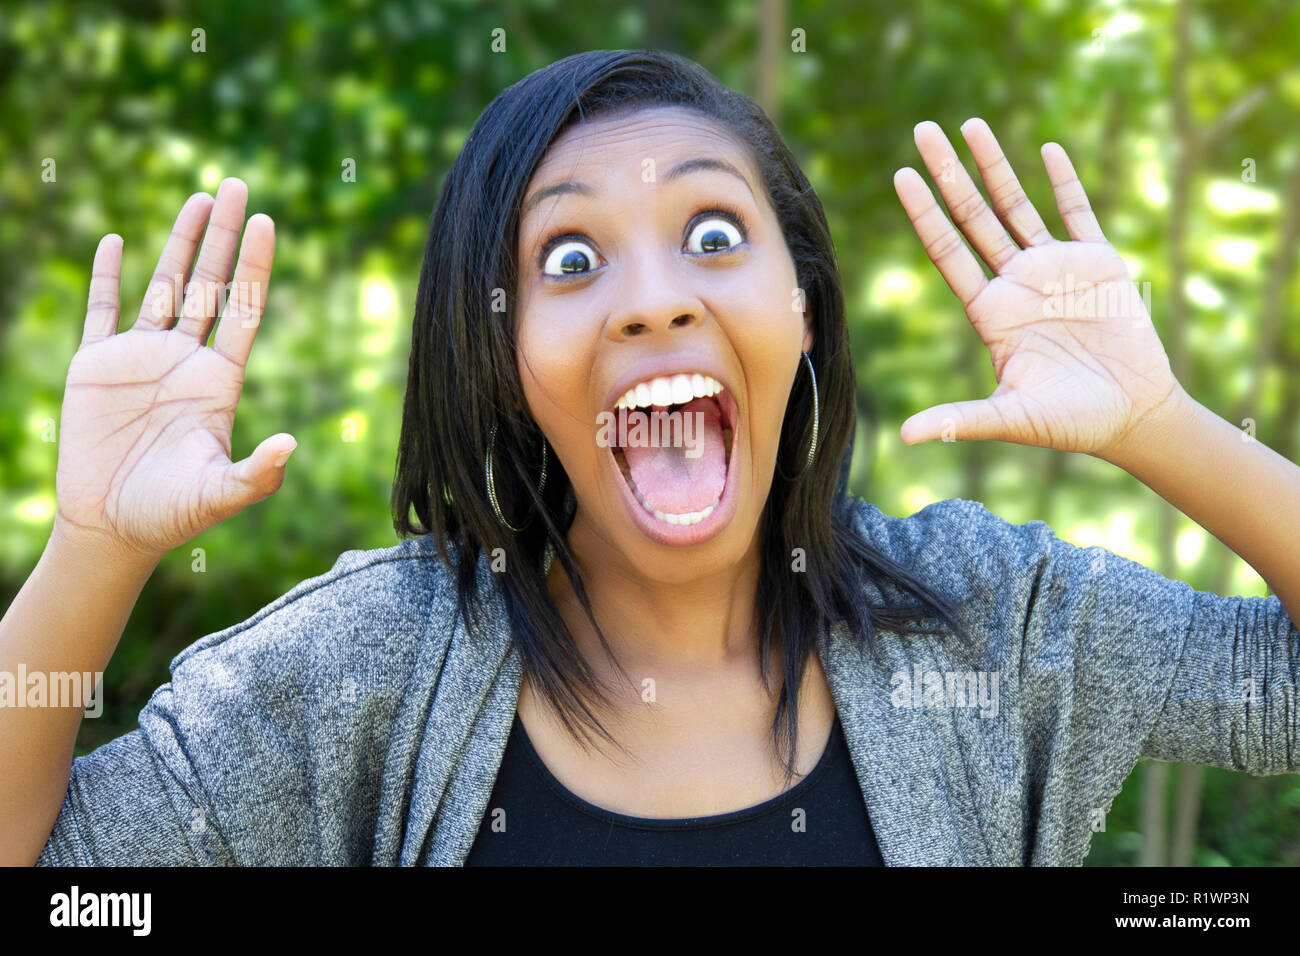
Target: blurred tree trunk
<point>1273,306</point>
<point>1151,818</point>
<point>1283,435</point>
<point>1290,413</point>
<point>1156,775</point>
<point>771,46</point>
<point>1187,814</point>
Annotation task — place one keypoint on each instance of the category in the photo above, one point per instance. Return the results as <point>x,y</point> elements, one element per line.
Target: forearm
<point>67,618</point>
<point>1238,489</point>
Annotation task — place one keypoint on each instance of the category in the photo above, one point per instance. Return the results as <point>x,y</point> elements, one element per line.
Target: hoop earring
<point>812,446</point>
<point>491,483</point>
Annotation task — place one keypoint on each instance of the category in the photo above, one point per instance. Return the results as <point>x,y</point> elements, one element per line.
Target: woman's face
<point>648,250</point>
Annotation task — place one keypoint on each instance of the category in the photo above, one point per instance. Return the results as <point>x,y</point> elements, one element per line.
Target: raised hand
<point>144,441</point>
<point>1077,360</point>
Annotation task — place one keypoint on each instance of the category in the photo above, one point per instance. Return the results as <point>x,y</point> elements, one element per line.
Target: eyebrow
<point>700,164</point>
<point>706,163</point>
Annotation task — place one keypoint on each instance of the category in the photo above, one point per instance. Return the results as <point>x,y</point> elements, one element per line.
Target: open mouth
<point>675,457</point>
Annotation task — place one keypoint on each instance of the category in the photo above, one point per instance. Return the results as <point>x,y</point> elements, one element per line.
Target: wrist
<point>99,549</point>
<point>1152,437</point>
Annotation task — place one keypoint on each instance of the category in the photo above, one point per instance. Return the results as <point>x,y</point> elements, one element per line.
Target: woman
<point>731,661</point>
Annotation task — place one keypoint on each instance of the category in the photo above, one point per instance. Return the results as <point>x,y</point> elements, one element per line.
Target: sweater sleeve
<point>266,747</point>
<point>137,801</point>
<point>1144,665</point>
<point>1234,699</point>
<point>1102,661</point>
<point>1117,661</point>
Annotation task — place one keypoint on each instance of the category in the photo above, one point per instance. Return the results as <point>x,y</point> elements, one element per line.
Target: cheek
<point>765,292</point>
<point>766,326</point>
<point>554,362</point>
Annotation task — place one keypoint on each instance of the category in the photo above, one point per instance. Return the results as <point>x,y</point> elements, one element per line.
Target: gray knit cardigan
<point>356,721</point>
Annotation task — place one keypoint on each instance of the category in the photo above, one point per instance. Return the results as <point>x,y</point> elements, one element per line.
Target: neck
<point>703,622</point>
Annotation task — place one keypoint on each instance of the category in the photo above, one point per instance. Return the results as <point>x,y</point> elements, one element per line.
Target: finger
<point>104,305</point>
<point>167,287</point>
<point>1071,201</point>
<point>942,244</point>
<point>969,210</point>
<point>217,255</point>
<point>247,302</point>
<point>981,419</point>
<point>248,481</point>
<point>1009,200</point>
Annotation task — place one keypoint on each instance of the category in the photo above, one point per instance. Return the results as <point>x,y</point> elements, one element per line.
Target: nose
<point>653,297</point>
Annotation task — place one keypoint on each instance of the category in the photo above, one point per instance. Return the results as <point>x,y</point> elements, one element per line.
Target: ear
<point>807,331</point>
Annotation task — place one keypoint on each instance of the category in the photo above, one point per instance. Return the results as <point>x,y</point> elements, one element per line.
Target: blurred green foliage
<point>1185,139</point>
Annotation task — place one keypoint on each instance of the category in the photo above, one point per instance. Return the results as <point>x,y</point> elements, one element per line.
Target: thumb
<point>982,419</point>
<point>251,479</point>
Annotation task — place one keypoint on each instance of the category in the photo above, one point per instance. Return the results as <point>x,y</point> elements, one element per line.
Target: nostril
<point>681,320</point>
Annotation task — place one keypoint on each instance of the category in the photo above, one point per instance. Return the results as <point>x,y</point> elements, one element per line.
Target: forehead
<point>607,145</point>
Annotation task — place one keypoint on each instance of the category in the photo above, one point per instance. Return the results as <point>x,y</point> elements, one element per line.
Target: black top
<point>534,820</point>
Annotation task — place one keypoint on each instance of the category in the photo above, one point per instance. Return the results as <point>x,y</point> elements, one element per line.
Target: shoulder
<point>381,602</point>
<point>956,543</point>
<point>312,684</point>
<point>284,722</point>
<point>959,518</point>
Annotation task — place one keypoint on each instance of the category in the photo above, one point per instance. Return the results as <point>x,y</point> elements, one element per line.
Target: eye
<point>570,257</point>
<point>714,233</point>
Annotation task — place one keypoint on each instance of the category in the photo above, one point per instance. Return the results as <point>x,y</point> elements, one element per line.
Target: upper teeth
<point>669,390</point>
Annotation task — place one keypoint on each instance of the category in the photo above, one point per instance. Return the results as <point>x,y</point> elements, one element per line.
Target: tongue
<point>669,479</point>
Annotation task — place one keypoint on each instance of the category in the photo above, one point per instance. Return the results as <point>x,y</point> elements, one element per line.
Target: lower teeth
<point>691,517</point>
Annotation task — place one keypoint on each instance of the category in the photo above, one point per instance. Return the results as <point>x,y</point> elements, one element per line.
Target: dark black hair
<point>463,382</point>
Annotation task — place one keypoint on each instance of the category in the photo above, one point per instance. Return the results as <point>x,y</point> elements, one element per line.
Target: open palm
<point>1077,360</point>
<point>144,447</point>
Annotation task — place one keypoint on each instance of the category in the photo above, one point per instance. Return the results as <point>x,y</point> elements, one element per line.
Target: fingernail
<point>282,458</point>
